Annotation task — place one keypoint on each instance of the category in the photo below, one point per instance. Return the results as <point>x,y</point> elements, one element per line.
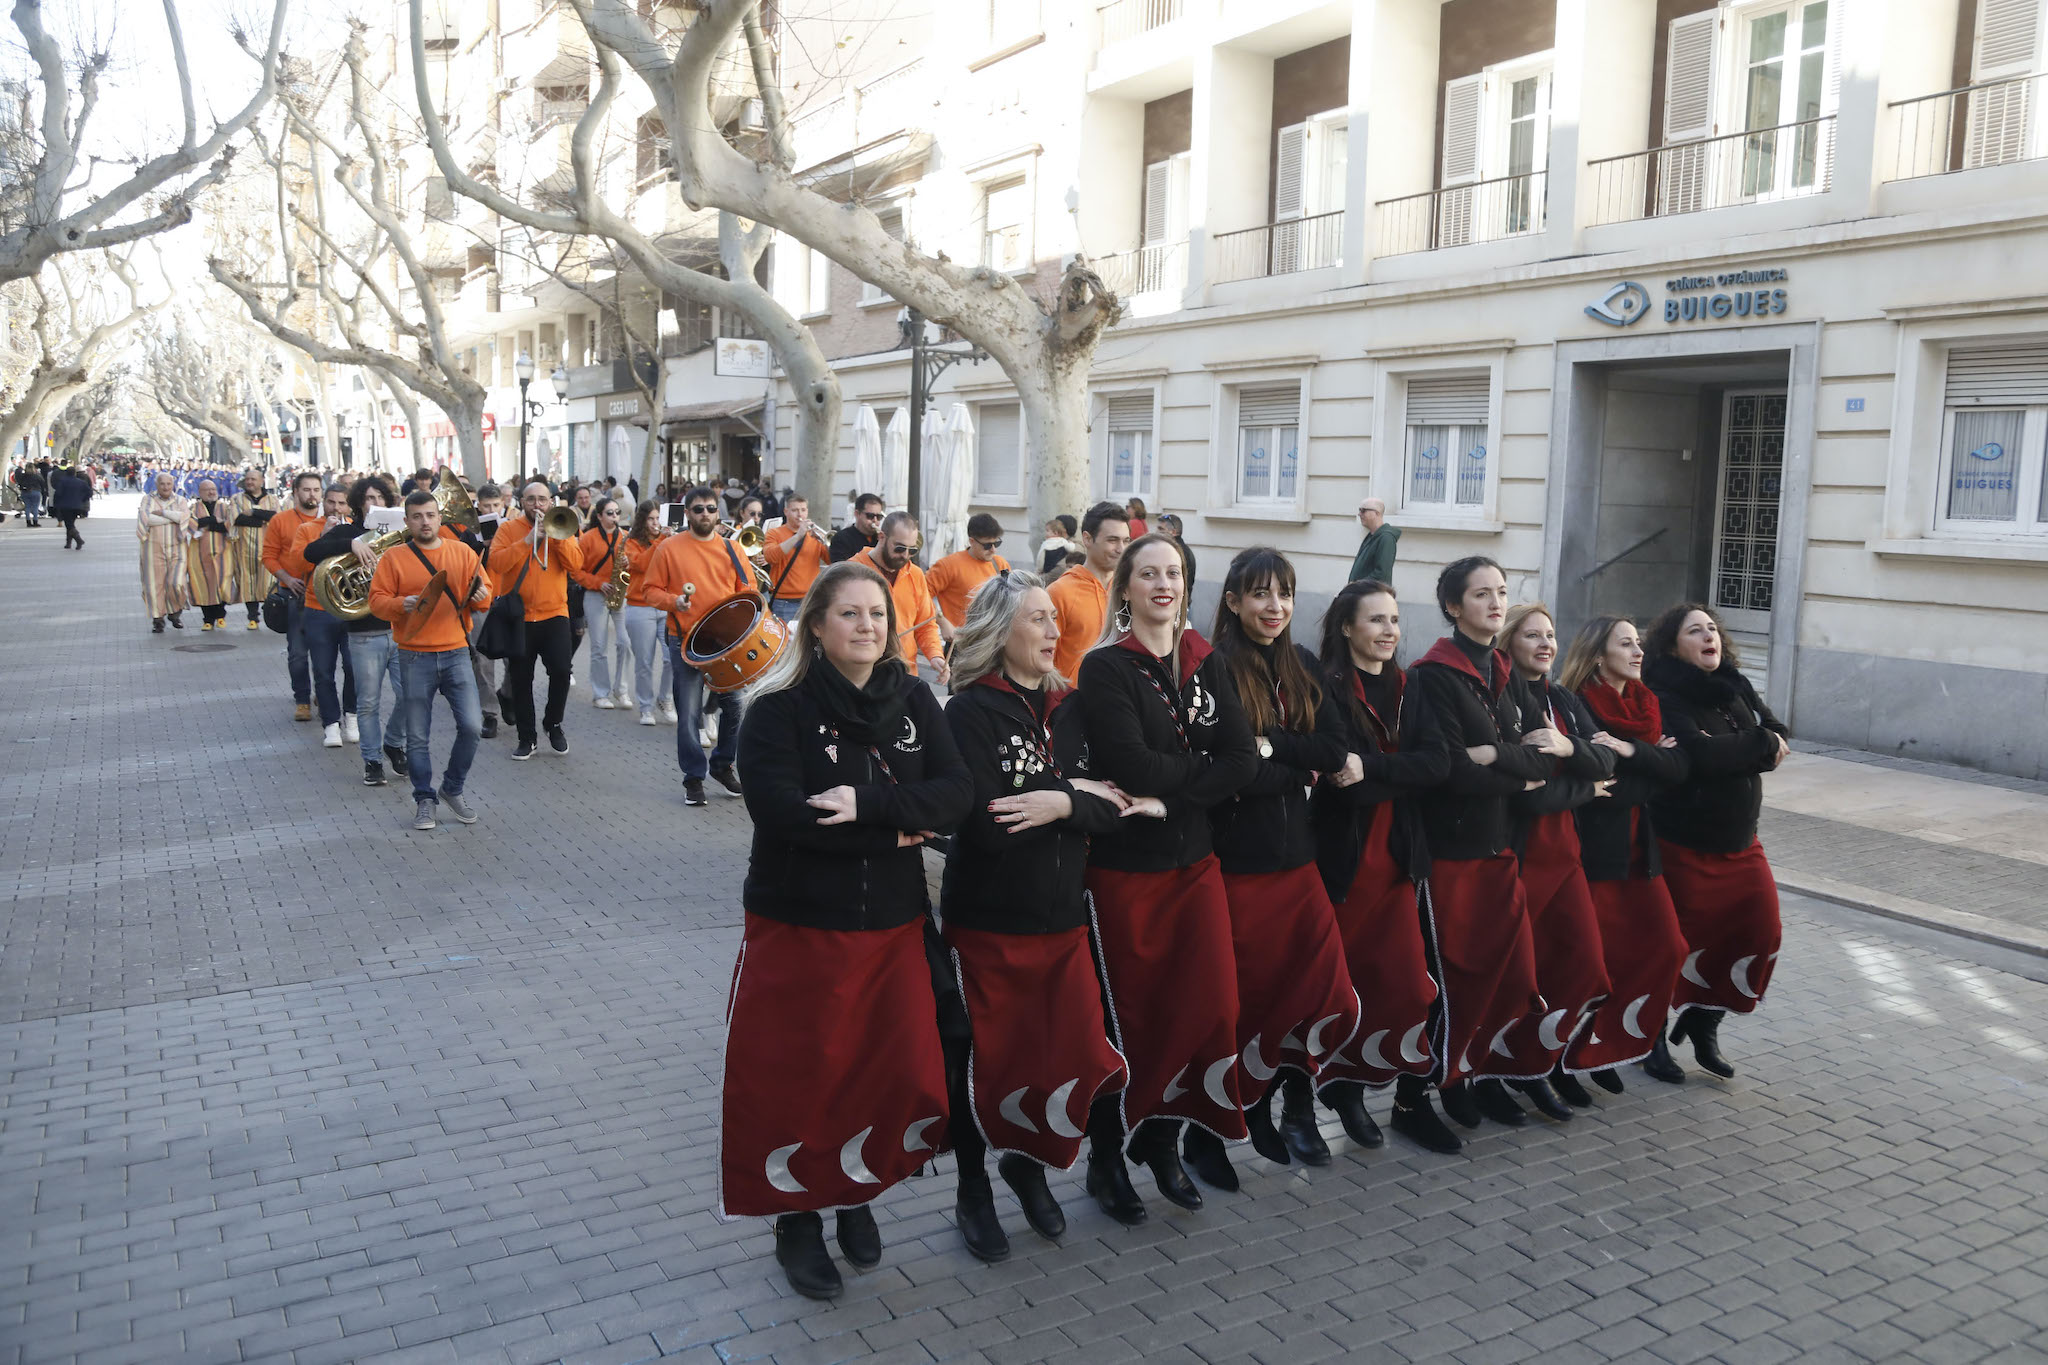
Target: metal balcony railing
<point>1991,124</point>
<point>1279,248</point>
<point>1484,211</point>
<point>1162,266</point>
<point>1121,19</point>
<point>1761,164</point>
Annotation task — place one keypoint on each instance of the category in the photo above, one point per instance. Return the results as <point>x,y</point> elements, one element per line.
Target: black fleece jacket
<point>1606,850</point>
<point>1450,706</point>
<point>1342,816</point>
<point>1265,826</point>
<point>1028,882</point>
<point>847,876</point>
<point>1570,787</point>
<point>1731,737</point>
<point>335,541</point>
<point>1183,741</point>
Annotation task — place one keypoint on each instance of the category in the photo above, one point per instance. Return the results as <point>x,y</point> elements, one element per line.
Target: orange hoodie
<point>682,559</point>
<point>917,616</point>
<point>400,575</point>
<point>546,589</point>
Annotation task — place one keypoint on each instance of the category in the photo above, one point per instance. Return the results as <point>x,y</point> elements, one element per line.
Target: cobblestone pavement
<point>282,1080</point>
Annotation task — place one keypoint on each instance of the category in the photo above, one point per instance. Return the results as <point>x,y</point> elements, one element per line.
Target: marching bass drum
<point>734,643</point>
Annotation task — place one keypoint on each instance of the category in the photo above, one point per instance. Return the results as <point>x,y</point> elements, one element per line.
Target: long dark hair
<point>1335,653</point>
<point>643,522</point>
<point>1661,639</point>
<point>1258,688</point>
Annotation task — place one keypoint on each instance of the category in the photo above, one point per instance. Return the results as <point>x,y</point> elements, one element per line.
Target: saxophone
<point>622,578</point>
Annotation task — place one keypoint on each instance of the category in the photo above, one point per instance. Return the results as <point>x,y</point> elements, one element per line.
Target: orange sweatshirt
<point>954,580</point>
<point>401,575</point>
<point>638,557</point>
<point>294,556</point>
<point>714,565</point>
<point>917,616</point>
<point>279,534</point>
<point>1082,601</point>
<point>546,589</point>
<point>593,546</point>
<point>811,558</point>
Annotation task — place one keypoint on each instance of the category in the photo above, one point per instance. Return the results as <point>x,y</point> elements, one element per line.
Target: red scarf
<point>1631,713</point>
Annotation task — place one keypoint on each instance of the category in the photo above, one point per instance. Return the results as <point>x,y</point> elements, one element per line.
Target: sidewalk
<point>1945,847</point>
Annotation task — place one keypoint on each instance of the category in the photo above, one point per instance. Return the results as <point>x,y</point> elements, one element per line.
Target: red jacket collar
<point>1189,656</point>
<point>1447,653</point>
<point>1001,683</point>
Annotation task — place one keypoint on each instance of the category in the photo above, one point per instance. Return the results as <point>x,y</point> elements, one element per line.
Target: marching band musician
<point>688,574</point>
<point>1016,917</point>
<point>800,540</point>
<point>490,514</point>
<point>917,615</point>
<point>645,621</point>
<point>524,561</point>
<point>603,548</point>
<point>835,1085</point>
<point>326,636</point>
<point>278,538</point>
<point>372,657</point>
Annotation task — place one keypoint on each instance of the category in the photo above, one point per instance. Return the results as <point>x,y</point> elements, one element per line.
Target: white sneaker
<point>604,704</point>
<point>330,738</point>
<point>349,733</point>
<point>646,715</point>
<point>666,711</point>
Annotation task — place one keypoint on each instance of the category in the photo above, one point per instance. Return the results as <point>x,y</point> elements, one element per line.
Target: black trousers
<point>552,644</point>
<point>70,520</point>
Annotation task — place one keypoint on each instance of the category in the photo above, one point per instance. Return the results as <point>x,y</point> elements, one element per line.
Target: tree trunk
<point>468,420</point>
<point>1055,401</point>
<point>650,451</point>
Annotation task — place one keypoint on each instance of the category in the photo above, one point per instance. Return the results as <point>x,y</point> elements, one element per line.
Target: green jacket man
<point>1376,552</point>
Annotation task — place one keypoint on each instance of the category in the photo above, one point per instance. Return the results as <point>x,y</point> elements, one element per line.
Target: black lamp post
<point>523,368</point>
<point>560,379</point>
<point>928,360</point>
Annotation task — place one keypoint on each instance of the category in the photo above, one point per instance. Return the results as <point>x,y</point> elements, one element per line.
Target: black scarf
<point>1722,688</point>
<point>872,714</point>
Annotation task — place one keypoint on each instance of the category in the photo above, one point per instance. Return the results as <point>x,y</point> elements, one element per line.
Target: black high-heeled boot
<point>1496,1103</point>
<point>974,1205</point>
<point>860,1241</point>
<point>1348,1100</point>
<point>1026,1179</point>
<point>1298,1127</point>
<point>1460,1105</point>
<point>800,1249</point>
<point>1258,1120</point>
<point>1569,1090</point>
<point>1204,1154</point>
<point>1704,1028</point>
<point>1660,1065</point>
<point>1415,1118</point>
<point>1109,1179</point>
<point>1608,1079</point>
<point>1543,1098</point>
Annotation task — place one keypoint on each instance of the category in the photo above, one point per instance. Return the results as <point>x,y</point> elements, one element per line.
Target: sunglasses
<point>704,507</point>
<point>995,544</point>
<point>870,516</point>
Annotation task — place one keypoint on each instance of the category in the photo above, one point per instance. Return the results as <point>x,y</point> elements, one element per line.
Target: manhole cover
<point>201,649</point>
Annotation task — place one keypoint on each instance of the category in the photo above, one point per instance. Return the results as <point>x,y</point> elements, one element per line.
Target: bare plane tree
<point>77,318</point>
<point>197,380</point>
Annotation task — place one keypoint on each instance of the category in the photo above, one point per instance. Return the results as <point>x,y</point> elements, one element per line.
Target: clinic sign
<point>1694,299</point>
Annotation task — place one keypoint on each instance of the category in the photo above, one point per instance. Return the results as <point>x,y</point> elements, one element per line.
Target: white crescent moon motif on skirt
<point>913,1136</point>
<point>1293,1040</point>
<point>1254,1064</point>
<point>1739,975</point>
<point>1691,970</point>
<point>1631,1017</point>
<point>1212,1082</point>
<point>1369,1051</point>
<point>1315,1035</point>
<point>1500,1039</point>
<point>850,1159</point>
<point>1174,1089</point>
<point>1056,1110</point>
<point>1546,1032</point>
<point>1012,1108</point>
<point>1412,1049</point>
<point>778,1170</point>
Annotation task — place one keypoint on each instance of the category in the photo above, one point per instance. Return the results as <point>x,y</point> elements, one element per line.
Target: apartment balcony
<point>1145,48</point>
<point>551,51</point>
<point>1486,211</point>
<point>897,103</point>
<point>1760,165</point>
<point>1278,248</point>
<point>1996,123</point>
<point>1123,19</point>
<point>1148,279</point>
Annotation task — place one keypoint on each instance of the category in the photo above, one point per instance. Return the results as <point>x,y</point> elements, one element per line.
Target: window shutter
<point>1288,183</point>
<point>1158,178</point>
<point>1130,411</point>
<point>2013,375</point>
<point>1462,98</point>
<point>1688,111</point>
<point>2008,36</point>
<point>1269,405</point>
<point>1177,170</point>
<point>1000,449</point>
<point>1448,399</point>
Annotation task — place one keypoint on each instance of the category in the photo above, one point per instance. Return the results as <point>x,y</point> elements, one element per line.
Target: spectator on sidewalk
<point>1375,558</point>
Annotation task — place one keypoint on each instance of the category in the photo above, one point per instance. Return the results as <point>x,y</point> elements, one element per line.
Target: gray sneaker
<point>458,807</point>
<point>423,815</point>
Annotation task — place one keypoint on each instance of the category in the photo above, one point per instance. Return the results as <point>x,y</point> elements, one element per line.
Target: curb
<point>1982,928</point>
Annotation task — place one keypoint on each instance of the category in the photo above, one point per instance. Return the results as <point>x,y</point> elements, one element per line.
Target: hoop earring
<point>1123,618</point>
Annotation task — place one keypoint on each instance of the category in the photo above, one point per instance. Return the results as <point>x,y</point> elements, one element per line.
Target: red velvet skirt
<point>1383,948</point>
<point>1640,938</point>
<point>1564,930</point>
<point>1295,1004</point>
<point>1172,986</point>
<point>835,1087</point>
<point>1041,1053</point>
<point>1727,907</point>
<point>1479,920</point>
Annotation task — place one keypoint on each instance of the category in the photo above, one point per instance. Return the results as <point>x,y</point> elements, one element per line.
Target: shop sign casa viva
<point>1720,297</point>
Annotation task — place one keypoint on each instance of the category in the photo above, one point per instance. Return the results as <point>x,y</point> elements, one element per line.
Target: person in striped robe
<point>247,513</point>
<point>160,529</point>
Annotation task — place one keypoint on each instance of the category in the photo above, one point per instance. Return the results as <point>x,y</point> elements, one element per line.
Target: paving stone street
<point>284,1080</point>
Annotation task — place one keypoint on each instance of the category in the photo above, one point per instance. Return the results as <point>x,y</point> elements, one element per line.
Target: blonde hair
<point>793,665</point>
<point>978,645</point>
<point>1517,614</point>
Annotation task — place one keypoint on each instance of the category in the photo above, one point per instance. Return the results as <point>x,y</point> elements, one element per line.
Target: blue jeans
<point>295,656</point>
<point>609,647</point>
<point>32,505</point>
<point>327,644</point>
<point>645,627</point>
<point>786,608</point>
<point>689,697</point>
<point>375,657</point>
<point>420,676</point>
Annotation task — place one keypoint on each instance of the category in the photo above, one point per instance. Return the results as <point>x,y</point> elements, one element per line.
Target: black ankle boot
<point>800,1248</point>
<point>156,625</point>
<point>1608,1079</point>
<point>1704,1028</point>
<point>1415,1118</point>
<point>1543,1098</point>
<point>1569,1090</point>
<point>1494,1101</point>
<point>1460,1104</point>
<point>1349,1103</point>
<point>1026,1179</point>
<point>1204,1154</point>
<point>1109,1179</point>
<point>1298,1126</point>
<point>1258,1118</point>
<point>974,1213</point>
<point>1660,1065</point>
<point>860,1241</point>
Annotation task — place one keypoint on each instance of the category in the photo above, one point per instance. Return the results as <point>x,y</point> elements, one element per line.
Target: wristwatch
<point>1265,747</point>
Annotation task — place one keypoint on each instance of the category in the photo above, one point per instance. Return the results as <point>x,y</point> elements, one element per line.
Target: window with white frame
<point>1162,261</point>
<point>1496,152</point>
<point>1268,442</point>
<point>2004,121</point>
<point>1445,452</point>
<point>1006,224</point>
<point>1308,192</point>
<point>1770,71</point>
<point>892,223</point>
<point>999,451</point>
<point>817,280</point>
<point>1128,419</point>
<point>1995,440</point>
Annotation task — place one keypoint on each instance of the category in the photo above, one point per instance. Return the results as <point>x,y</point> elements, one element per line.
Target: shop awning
<point>718,410</point>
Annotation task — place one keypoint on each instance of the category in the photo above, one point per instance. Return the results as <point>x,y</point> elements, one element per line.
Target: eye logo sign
<point>1621,305</point>
<point>1991,451</point>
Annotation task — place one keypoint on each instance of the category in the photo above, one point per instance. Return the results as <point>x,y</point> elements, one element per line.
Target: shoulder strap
<point>739,565</point>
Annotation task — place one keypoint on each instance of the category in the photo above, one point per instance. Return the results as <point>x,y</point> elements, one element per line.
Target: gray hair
<point>991,616</point>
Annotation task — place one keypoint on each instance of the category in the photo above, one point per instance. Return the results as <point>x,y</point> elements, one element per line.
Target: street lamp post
<point>928,360</point>
<point>523,368</point>
<point>560,379</point>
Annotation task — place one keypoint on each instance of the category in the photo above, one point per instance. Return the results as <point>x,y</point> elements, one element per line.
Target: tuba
<point>342,584</point>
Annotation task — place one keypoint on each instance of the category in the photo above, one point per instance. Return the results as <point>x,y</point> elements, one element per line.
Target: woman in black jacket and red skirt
<point>1564,928</point>
<point>1639,934</point>
<point>1720,882</point>
<point>1295,1003</point>
<point>835,1084</point>
<point>1016,916</point>
<point>1364,831</point>
<point>1457,706</point>
<point>1161,719</point>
